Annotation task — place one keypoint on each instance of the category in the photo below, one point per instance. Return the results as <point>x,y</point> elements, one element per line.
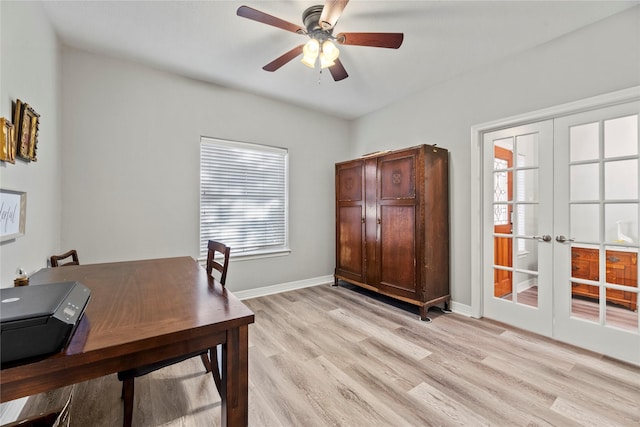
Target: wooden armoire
<point>392,224</point>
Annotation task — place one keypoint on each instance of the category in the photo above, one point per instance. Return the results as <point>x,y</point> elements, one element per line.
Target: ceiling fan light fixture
<point>319,22</point>
<point>310,53</point>
<point>311,63</point>
<point>330,51</point>
<point>329,54</point>
<point>325,62</point>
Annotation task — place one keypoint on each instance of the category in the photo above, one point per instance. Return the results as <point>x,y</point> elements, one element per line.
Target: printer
<point>38,320</point>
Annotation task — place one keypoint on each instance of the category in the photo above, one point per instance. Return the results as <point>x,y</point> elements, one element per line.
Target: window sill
<point>248,256</point>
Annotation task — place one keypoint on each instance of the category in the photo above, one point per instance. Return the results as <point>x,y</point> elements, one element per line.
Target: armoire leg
<point>423,314</point>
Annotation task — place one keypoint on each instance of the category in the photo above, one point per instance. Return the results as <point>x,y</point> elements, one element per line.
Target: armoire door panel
<point>397,178</point>
<point>350,246</point>
<point>398,247</point>
<point>350,183</point>
<point>350,214</point>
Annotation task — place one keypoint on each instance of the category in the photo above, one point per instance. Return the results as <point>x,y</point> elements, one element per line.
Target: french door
<point>596,219</point>
<point>517,245</point>
<point>560,253</point>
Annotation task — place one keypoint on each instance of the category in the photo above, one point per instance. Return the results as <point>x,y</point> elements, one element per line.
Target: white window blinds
<point>243,196</point>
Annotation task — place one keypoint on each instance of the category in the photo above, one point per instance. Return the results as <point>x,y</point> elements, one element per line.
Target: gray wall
<point>130,169</point>
<point>597,59</point>
<point>124,183</point>
<point>126,149</point>
<point>30,71</point>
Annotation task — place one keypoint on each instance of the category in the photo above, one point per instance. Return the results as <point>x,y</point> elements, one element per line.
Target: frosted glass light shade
<point>330,51</point>
<point>324,61</point>
<point>310,53</point>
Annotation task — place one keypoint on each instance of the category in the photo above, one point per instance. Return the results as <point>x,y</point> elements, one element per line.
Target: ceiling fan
<point>319,22</point>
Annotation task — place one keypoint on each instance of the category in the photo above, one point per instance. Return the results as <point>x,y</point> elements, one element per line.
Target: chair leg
<point>127,395</point>
<point>215,368</point>
<point>205,361</point>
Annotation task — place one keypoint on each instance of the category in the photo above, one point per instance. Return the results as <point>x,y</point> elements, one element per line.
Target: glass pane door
<point>596,222</point>
<point>518,289</point>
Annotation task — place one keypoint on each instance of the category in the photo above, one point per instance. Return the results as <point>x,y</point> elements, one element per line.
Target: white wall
<point>129,160</point>
<point>597,59</point>
<point>30,71</point>
<point>130,166</point>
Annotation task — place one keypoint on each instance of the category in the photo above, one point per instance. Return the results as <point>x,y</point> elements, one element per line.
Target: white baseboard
<point>9,411</point>
<point>283,287</point>
<point>460,308</point>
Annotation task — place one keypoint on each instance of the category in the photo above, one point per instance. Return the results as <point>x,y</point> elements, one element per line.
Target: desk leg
<point>235,378</point>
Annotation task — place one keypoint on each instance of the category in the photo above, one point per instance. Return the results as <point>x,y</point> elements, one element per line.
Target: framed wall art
<point>7,141</point>
<point>13,214</point>
<point>26,132</point>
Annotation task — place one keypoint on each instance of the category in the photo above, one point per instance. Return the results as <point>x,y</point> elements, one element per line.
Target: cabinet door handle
<point>379,221</point>
<point>613,259</point>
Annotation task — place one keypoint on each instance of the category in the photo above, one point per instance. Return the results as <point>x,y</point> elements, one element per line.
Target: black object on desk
<point>39,320</point>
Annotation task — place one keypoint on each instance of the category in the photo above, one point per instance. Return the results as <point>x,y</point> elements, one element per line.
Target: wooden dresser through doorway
<point>621,269</point>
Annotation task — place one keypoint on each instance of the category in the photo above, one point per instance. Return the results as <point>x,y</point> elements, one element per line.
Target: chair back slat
<point>56,259</point>
<point>213,263</point>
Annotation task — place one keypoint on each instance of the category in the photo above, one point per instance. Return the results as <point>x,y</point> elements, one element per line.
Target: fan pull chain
<point>320,76</point>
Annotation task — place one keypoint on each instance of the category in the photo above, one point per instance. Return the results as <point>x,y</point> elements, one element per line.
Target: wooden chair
<point>209,358</point>
<point>56,259</point>
<point>47,409</point>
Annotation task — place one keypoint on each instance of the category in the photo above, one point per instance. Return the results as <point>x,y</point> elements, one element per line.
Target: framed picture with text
<point>13,214</point>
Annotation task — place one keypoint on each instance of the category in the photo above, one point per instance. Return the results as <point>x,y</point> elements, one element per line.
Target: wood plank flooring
<point>327,356</point>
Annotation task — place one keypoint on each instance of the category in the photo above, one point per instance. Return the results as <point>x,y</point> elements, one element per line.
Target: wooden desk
<point>142,312</point>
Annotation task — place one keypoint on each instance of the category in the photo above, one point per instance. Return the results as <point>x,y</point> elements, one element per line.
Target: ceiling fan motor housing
<point>311,18</point>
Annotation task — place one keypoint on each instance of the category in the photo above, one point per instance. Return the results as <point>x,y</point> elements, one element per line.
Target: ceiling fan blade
<point>283,59</point>
<point>337,71</point>
<point>256,15</point>
<point>331,12</point>
<point>389,40</point>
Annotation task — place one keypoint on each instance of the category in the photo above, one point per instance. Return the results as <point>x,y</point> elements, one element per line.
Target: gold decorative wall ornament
<point>26,131</point>
<point>7,141</point>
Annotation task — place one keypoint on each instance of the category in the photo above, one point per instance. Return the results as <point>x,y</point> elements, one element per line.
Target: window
<point>500,190</point>
<point>243,196</point>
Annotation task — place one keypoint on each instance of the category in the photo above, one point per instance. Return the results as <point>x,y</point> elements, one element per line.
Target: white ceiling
<point>206,40</point>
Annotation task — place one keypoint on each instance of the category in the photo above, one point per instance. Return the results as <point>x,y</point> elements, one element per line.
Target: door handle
<point>562,239</point>
<point>543,238</point>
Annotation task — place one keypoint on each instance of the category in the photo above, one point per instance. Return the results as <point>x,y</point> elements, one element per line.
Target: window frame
<point>240,253</point>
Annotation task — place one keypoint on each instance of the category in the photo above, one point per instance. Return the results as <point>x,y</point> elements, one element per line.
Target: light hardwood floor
<point>327,356</point>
